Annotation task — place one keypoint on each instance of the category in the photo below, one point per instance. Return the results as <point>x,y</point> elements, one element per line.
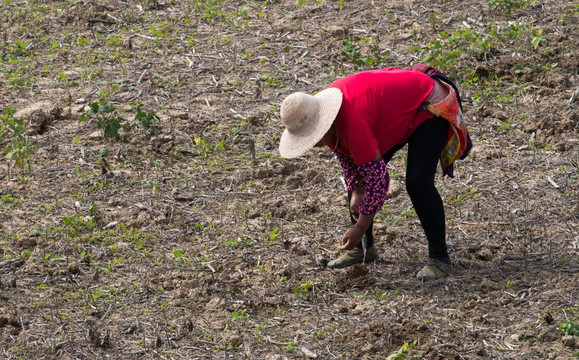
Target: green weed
<point>352,51</point>
<point>304,291</point>
<point>20,148</point>
<point>146,119</point>
<point>76,224</point>
<point>407,351</point>
<point>107,119</point>
<point>506,126</point>
<point>204,148</point>
<point>18,81</point>
<point>507,6</point>
<point>569,327</point>
<point>570,15</point>
<point>440,53</point>
<point>270,237</point>
<point>538,40</point>
<point>239,316</point>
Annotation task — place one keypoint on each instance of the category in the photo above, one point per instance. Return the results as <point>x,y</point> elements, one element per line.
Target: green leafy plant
<point>507,126</point>
<point>17,81</point>
<point>538,39</point>
<point>239,316</point>
<point>107,119</point>
<point>273,235</point>
<point>146,119</point>
<point>481,44</point>
<point>204,148</point>
<point>177,253</point>
<point>569,327</point>
<point>7,201</point>
<point>507,6</point>
<point>76,224</point>
<point>270,237</point>
<point>19,149</point>
<point>304,291</point>
<point>447,49</point>
<point>441,54</point>
<point>570,15</point>
<point>407,351</point>
<point>352,51</point>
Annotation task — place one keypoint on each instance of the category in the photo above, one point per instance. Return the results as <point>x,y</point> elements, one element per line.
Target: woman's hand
<point>355,200</point>
<point>352,237</point>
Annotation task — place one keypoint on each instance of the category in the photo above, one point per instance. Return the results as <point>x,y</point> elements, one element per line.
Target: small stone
<point>368,348</point>
<point>275,357</point>
<point>481,351</point>
<point>112,224</point>
<point>309,353</point>
<point>485,254</point>
<point>394,190</point>
<point>549,334</point>
<point>488,285</point>
<point>338,32</point>
<point>322,260</point>
<point>232,339</point>
<point>168,285</point>
<point>569,341</point>
<point>73,268</point>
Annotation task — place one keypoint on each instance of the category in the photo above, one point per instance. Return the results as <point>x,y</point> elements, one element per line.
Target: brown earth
<point>194,239</point>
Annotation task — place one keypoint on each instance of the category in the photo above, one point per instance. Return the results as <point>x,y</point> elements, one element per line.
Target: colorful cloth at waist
<point>457,141</point>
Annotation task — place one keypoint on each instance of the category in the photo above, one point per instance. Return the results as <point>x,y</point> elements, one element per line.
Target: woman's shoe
<point>434,269</point>
<point>355,256</point>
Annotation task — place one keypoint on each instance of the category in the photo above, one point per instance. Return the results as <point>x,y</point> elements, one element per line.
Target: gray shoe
<point>355,256</point>
<point>434,269</point>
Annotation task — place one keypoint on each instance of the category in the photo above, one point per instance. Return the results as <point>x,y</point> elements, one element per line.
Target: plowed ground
<point>194,239</point>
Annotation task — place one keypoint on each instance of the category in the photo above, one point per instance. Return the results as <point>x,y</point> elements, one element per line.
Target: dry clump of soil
<point>195,239</point>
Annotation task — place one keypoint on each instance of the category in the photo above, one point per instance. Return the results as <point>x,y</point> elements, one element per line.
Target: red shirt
<point>380,108</point>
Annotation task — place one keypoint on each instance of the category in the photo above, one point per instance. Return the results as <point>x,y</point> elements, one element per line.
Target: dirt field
<point>166,225</point>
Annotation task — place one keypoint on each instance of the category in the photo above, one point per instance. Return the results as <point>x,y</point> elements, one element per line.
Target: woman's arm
<point>376,181</point>
<point>351,174</point>
<point>368,184</point>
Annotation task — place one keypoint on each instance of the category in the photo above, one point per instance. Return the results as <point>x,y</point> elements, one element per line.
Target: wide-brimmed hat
<point>307,119</point>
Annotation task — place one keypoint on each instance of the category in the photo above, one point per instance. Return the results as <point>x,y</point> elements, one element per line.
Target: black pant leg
<point>424,149</point>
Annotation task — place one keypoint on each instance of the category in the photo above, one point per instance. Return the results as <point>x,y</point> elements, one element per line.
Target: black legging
<point>424,149</point>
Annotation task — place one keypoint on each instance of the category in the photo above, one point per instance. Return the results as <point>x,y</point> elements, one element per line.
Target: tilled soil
<point>194,239</point>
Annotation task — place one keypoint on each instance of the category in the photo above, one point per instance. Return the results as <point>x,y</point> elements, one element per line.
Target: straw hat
<point>307,119</point>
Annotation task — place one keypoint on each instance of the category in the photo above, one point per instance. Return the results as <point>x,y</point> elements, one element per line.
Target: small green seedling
<point>147,119</point>
<point>107,119</point>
